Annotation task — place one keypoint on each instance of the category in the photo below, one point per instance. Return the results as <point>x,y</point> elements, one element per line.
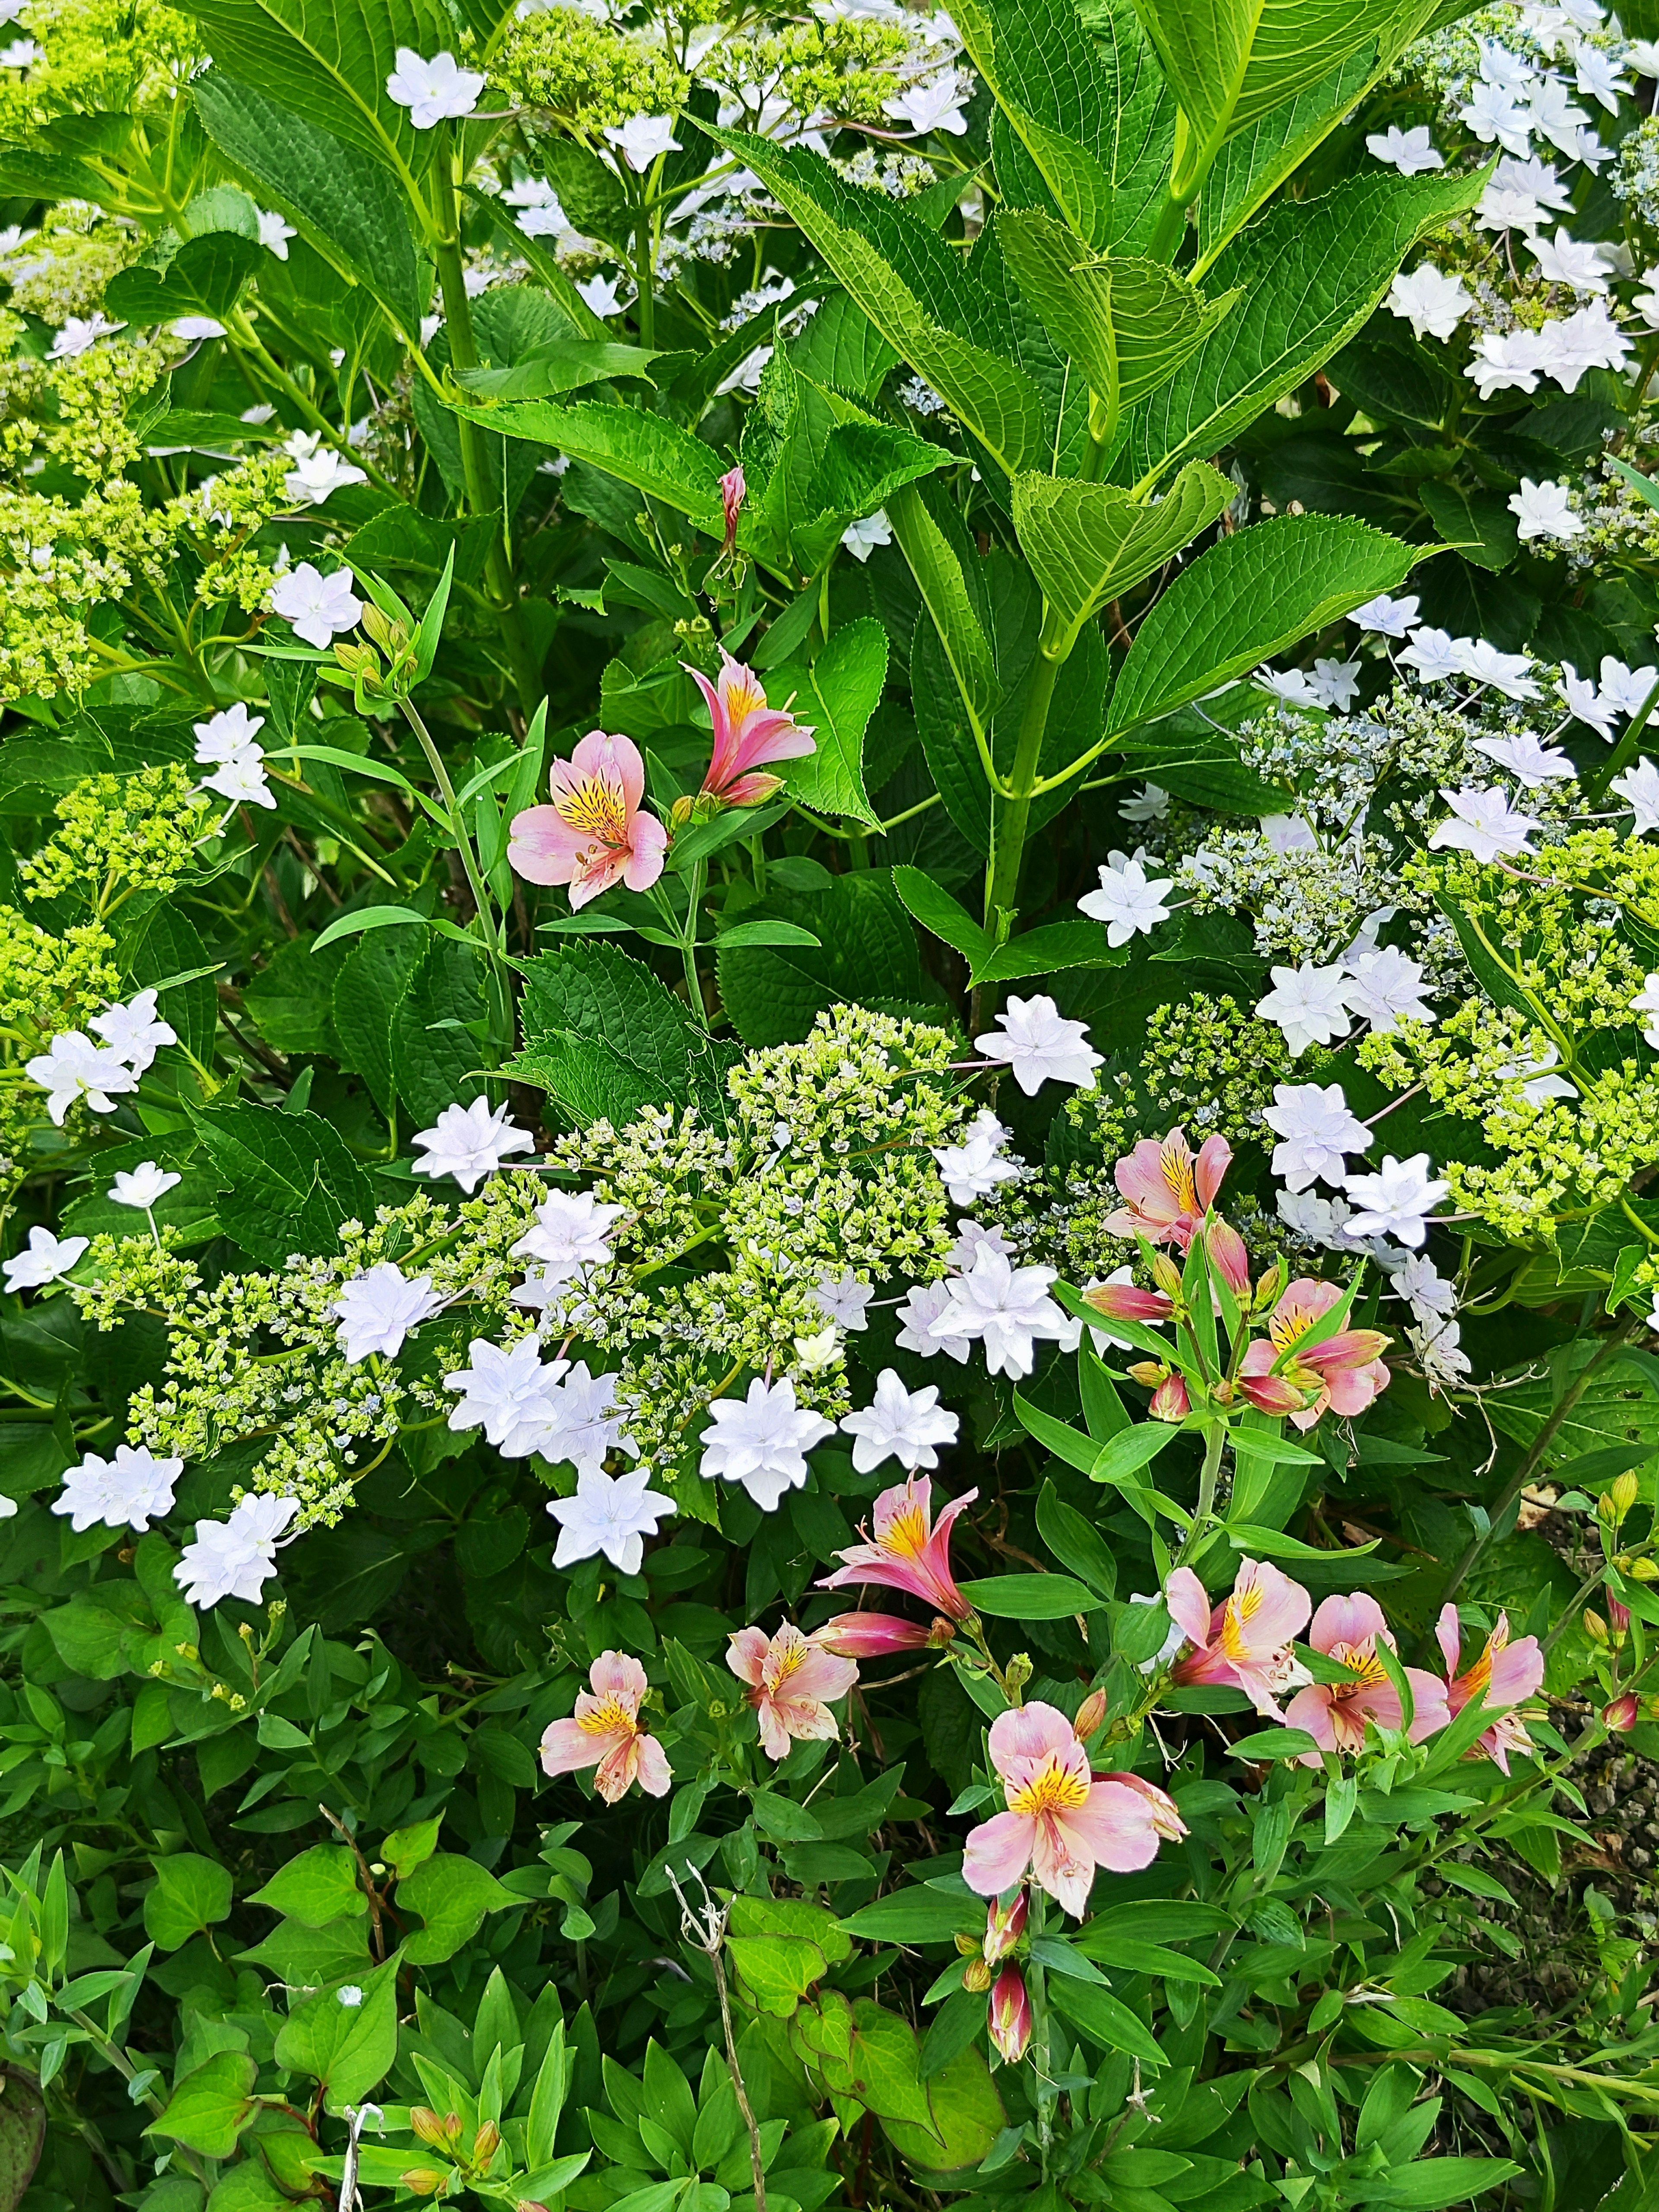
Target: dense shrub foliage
<point>829,1086</point>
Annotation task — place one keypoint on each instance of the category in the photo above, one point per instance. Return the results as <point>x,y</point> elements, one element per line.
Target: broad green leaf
<point>452,1895</point>
<point>1105,2019</point>
<point>647,451</point>
<point>1309,275</point>
<point>836,696</point>
<point>1076,1542</point>
<point>867,953</point>
<point>1247,598</point>
<point>211,2105</point>
<point>780,1946</point>
<point>912,1916</point>
<point>345,2037</point>
<point>1043,951</point>
<point>1252,165</point>
<point>564,366</point>
<point>1478,524</point>
<point>318,1887</point>
<point>937,570</point>
<point>1088,543</point>
<point>191,1894</point>
<point>1031,1597</point>
<point>287,1181</point>
<point>205,278</point>
<point>341,198</point>
<point>964,2119</point>
<point>941,915</point>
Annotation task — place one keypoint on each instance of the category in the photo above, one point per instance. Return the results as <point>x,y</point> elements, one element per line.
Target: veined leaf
<point>1249,596</point>
<point>1087,542</point>
<point>1252,165</point>
<point>945,592</point>
<point>836,698</point>
<point>653,455</point>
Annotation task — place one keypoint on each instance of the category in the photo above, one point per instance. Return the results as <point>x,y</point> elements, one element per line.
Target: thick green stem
<point>1624,752</point>
<point>480,890</point>
<point>1011,817</point>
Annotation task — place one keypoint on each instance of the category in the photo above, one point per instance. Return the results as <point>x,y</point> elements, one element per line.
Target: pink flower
<point>1161,1808</point>
<point>1334,1714</point>
<point>1341,1376</point>
<point>747,734</point>
<point>1010,2018</point>
<point>910,1551</point>
<point>1507,1673</point>
<point>874,1635</point>
<point>1169,1188</point>
<point>593,835</point>
<point>792,1680</point>
<point>1004,1926</point>
<point>1060,1823</point>
<point>1245,1642</point>
<point>605,1732</point>
<point>734,490</point>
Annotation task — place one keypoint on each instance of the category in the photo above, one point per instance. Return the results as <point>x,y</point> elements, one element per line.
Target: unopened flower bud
<point>426,2124</point>
<point>1010,2021</point>
<point>486,2144</point>
<point>1268,1289</point>
<point>1594,1627</point>
<point>1622,1715</point>
<point>1152,1372</point>
<point>1618,1619</point>
<point>968,1946</point>
<point>1643,1570</point>
<point>976,1976</point>
<point>1004,1926</point>
<point>422,2180</point>
<point>1091,1716</point>
<point>1624,1492</point>
<point>1018,1671</point>
<point>940,1632</point>
<point>1169,1401</point>
<point>1166,1274</point>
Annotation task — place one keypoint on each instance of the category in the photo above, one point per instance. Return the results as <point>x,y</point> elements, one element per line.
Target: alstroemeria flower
<point>1245,1642</point>
<point>1125,1301</point>
<point>1060,1823</point>
<point>604,1732</point>
<point>1168,1187</point>
<point>594,834</point>
<point>1342,1375</point>
<point>1507,1673</point>
<point>1334,1714</point>
<point>875,1635</point>
<point>1004,1926</point>
<point>792,1680</point>
<point>910,1550</point>
<point>1008,2020</point>
<point>747,734</point>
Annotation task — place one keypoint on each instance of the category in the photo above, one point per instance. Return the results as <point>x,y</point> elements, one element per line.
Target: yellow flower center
<point>743,697</point>
<point>906,1532</point>
<point>1362,1658</point>
<point>598,808</point>
<point>1052,1789</point>
<point>1177,1165</point>
<point>607,1718</point>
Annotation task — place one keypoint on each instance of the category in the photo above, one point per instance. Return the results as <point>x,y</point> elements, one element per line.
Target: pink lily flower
<point>594,834</point>
<point>874,1635</point>
<point>1009,2022</point>
<point>1509,1673</point>
<point>1169,1188</point>
<point>1341,1376</point>
<point>910,1551</point>
<point>1245,1643</point>
<point>792,1680</point>
<point>734,490</point>
<point>1060,1823</point>
<point>1334,1714</point>
<point>604,1732</point>
<point>747,734</point>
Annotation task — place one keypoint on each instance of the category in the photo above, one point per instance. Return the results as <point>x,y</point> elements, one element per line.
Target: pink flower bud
<point>1010,2015</point>
<point>1091,1716</point>
<point>872,1634</point>
<point>1124,1302</point>
<point>1004,1926</point>
<point>734,490</point>
<point>1229,1257</point>
<point>1617,1616</point>
<point>1169,1401</point>
<point>1622,1715</point>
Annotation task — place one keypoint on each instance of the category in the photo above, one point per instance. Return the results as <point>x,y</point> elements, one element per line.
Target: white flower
<point>1005,1308</point>
<point>1316,1128</point>
<point>585,1422</point>
<point>1320,1220</point>
<point>81,332</point>
<point>1385,987</point>
<point>1643,56</point>
<point>899,1423</point>
<point>1536,1082</point>
<point>142,1186</point>
<point>1551,110</point>
<point>1482,663</point>
<point>1596,74</point>
<point>128,1492</point>
<point>275,234</point>
<point>1434,654</point>
<point>1528,760</point>
<point>1432,302</point>
<point>1568,261</point>
<point>1510,361</point>
<point>843,1298</point>
<point>508,1393</point>
<point>571,1233</point>
<point>1646,1001</point>
<point>1437,1344</point>
<point>318,606</point>
<point>970,1235</point>
<point>1396,1201</point>
<point>1542,510</point>
<point>20,54</point>
<point>378,1310</point>
<point>1539,180</point>
<point>1387,617</point>
<point>1417,1279</point>
<point>471,1142</point>
<point>1293,685</point>
<point>1505,207</point>
<point>11,12</point>
<point>921,1310</point>
<point>600,296</point>
<point>1408,151</point>
<point>350,1996</point>
<point>762,1441</point>
<point>1588,338</point>
<point>433,91</point>
<point>234,1558</point>
<point>861,538</point>
<point>1640,786</point>
<point>1625,689</point>
<point>191,327</point>
<point>936,104</point>
<point>45,1259</point>
<point>1150,805</point>
<point>243,781</point>
<point>1584,702</point>
<point>135,1032</point>
<point>315,476</point>
<point>229,735</point>
<point>1335,684</point>
<point>610,1513</point>
<point>1484,824</point>
<point>1491,114</point>
<point>973,1168</point>
<point>1307,1004</point>
<point>1040,1046</point>
<point>1129,901</point>
<point>642,139</point>
<point>73,1068</point>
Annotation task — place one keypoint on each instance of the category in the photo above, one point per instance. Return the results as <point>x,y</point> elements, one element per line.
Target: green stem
<point>1209,1474</point>
<point>689,941</point>
<point>1010,821</point>
<point>1624,752</point>
<point>468,859</point>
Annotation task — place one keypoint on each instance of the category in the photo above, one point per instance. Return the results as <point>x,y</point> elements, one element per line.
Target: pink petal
<point>823,1675</point>
<point>542,847</point>
<point>1309,1710</point>
<point>1346,1621</point>
<point>1032,1732</point>
<point>654,1775</point>
<point>601,758</point>
<point>1281,1608</point>
<point>1448,1636</point>
<point>998,1853</point>
<point>617,1675</point>
<point>1214,1158</point>
<point>1187,1606</point>
<point>746,1655</point>
<point>645,863</point>
<point>1115,1829</point>
<point>567,1746</point>
<point>1433,1712</point>
<point>1517,1673</point>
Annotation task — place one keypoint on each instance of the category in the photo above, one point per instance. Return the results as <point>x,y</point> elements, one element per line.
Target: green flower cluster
<point>120,834</point>
<point>846,68</point>
<point>584,72</point>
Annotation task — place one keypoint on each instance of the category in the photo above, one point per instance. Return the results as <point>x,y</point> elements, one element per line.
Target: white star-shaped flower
<point>844,1299</point>
<point>1483,823</point>
<point>571,1233</point>
<point>1639,787</point>
<point>1582,268</point>
<point>1316,1128</point>
<point>72,1069</point>
<point>1004,1307</point>
<point>642,140</point>
<point>1387,617</point>
<point>861,538</point>
<point>435,91</point>
<point>1039,1045</point>
<point>508,1392</point>
<point>128,1492</point>
<point>378,1310</point>
<point>44,1259</point>
<point>1482,663</point>
<point>1385,987</point>
<point>1543,510</point>
<point>141,1187</point>
<point>1408,151</point>
<point>1129,901</point>
<point>231,734</point>
<point>1307,1004</point>
<point>135,1032</point>
<point>242,781</point>
<point>235,1558</point>
<point>972,1169</point>
<point>1395,1201</point>
<point>275,234</point>
<point>612,1514</point>
<point>319,607</point>
<point>762,1441</point>
<point>471,1142</point>
<point>921,1309</point>
<point>1528,760</point>
<point>1584,702</point>
<point>1432,302</point>
<point>907,1426</point>
<point>588,1421</point>
<point>1433,654</point>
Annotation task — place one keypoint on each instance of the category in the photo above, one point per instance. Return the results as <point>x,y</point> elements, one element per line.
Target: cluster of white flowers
<point>74,1070</point>
<point>227,745</point>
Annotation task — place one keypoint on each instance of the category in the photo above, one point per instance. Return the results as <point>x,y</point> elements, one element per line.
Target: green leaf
<point>937,570</point>
<point>1428,2185</point>
<point>1105,2019</point>
<point>604,1037</point>
<point>383,917</point>
<point>1075,1542</point>
<point>318,1887</point>
<point>565,365</point>
<point>1476,524</point>
<point>913,1915</point>
<point>867,954</point>
<point>836,696</point>
<point>286,1181</point>
<point>451,1896</point>
<point>211,2105</point>
<point>1248,596</point>
<point>205,277</point>
<point>781,1947</point>
<point>348,2048</point>
<point>1130,1450</point>
<point>1256,161</point>
<point>1247,1536</point>
<point>768,933</point>
<point>1088,541</point>
<point>647,451</point>
<point>1310,274</point>
<point>941,915</point>
<point>191,1894</point>
<point>1030,1597</point>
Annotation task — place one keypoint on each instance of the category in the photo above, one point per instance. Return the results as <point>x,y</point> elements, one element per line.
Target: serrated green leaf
<point>1088,543</point>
